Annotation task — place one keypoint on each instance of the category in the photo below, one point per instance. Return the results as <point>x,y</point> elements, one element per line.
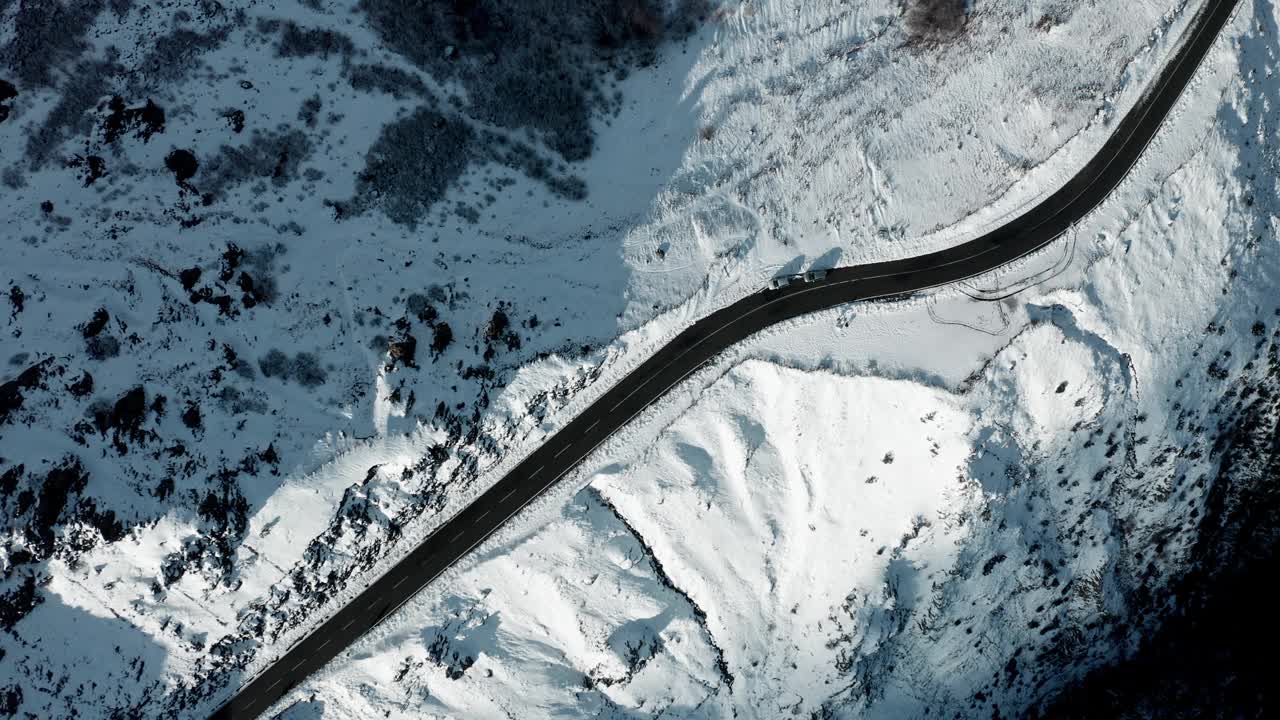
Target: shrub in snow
<point>935,20</point>
<point>304,368</point>
<point>274,364</point>
<point>307,370</point>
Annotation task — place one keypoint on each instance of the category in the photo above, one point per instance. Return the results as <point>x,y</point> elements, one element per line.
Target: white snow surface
<point>751,546</point>
<point>1039,447</point>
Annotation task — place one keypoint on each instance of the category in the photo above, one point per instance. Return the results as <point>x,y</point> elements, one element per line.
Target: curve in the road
<point>698,344</point>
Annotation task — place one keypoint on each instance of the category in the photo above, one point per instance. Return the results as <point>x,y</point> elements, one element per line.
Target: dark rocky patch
<point>17,298</point>
<point>420,306</point>
<point>192,418</point>
<point>183,165</point>
<point>235,120</point>
<point>10,700</point>
<point>403,348</point>
<point>11,393</point>
<point>441,652</point>
<point>7,92</point>
<point>143,121</point>
<point>130,410</point>
<point>82,387</point>
<point>96,323</point>
<point>441,338</point>
<point>19,602</point>
<point>500,331</point>
<point>255,281</point>
<point>59,484</point>
<point>94,168</point>
<point>254,293</point>
<point>270,455</point>
<point>105,522</point>
<point>189,278</point>
<point>123,419</point>
<point>9,481</point>
<point>232,256</point>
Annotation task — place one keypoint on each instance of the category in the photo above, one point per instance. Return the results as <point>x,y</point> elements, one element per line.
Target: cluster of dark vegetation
<point>303,368</point>
<point>542,67</point>
<point>296,41</point>
<point>390,80</point>
<point>273,156</point>
<point>527,65</point>
<point>413,163</point>
<point>47,34</point>
<point>934,21</point>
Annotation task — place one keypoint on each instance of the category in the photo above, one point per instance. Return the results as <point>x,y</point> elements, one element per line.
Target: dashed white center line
<point>535,472</point>
<point>481,517</point>
<point>590,426</point>
<point>399,582</point>
<point>300,662</point>
<point>509,494</point>
<point>272,685</point>
<point>561,451</point>
<point>344,627</point>
<point>458,536</point>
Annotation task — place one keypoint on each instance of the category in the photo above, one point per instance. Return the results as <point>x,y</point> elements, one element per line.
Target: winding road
<point>705,339</point>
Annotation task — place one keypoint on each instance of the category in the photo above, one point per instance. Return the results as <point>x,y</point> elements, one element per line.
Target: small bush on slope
<point>935,20</point>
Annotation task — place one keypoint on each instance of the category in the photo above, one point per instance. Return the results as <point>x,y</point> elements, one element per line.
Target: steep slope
<point>1072,495</point>
<point>284,289</point>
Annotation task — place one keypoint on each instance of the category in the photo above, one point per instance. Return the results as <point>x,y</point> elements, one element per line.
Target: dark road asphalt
<point>708,337</point>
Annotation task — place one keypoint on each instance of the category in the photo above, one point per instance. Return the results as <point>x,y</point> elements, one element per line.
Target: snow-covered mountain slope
<point>1060,504</point>
<point>288,283</point>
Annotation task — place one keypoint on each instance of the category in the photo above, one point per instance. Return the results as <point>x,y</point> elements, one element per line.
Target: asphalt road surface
<point>708,337</point>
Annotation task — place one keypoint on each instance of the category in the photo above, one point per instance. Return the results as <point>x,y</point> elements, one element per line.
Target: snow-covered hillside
<point>288,283</point>
<point>945,507</point>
